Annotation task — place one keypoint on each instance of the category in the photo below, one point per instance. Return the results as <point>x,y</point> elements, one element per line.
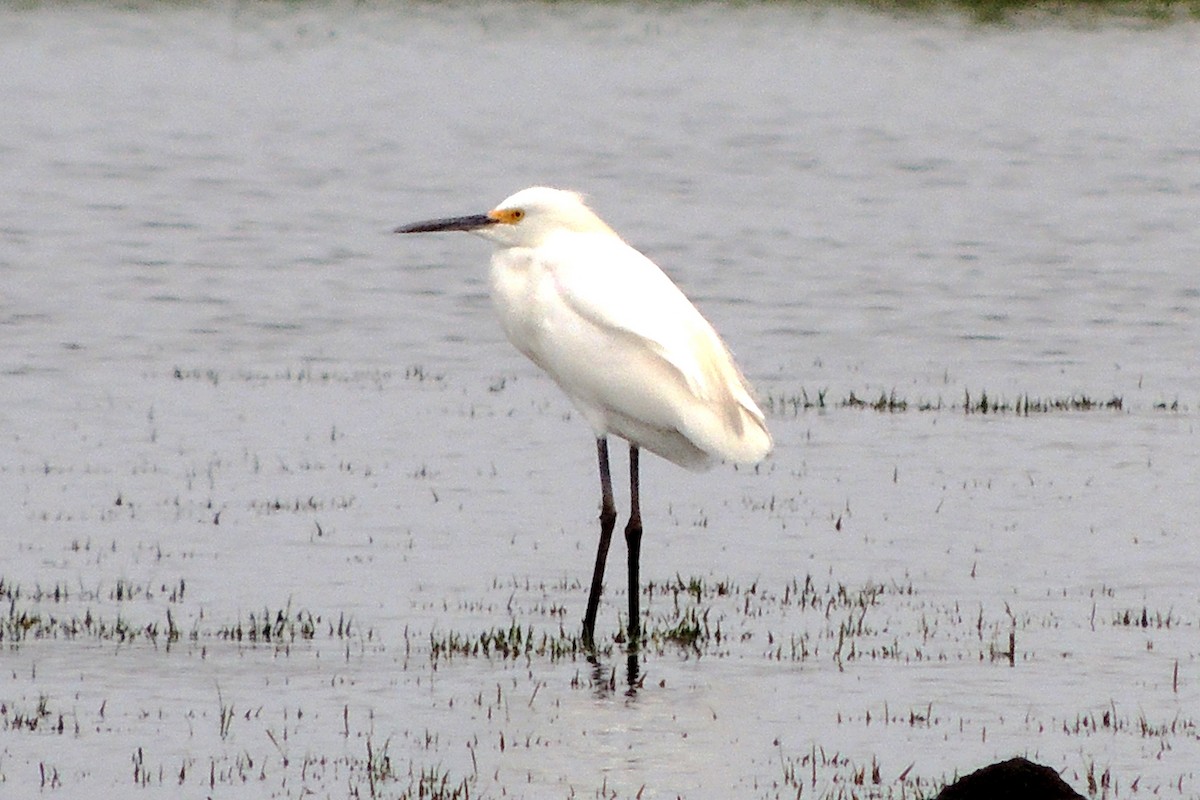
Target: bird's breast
<point>523,295</point>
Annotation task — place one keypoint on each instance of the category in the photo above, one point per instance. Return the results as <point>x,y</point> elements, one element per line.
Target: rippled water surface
<point>280,497</point>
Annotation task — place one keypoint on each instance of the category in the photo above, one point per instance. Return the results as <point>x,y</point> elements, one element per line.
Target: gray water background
<point>204,319</point>
<point>918,200</point>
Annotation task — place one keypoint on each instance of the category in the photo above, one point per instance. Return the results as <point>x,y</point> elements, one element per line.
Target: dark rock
<point>1015,779</point>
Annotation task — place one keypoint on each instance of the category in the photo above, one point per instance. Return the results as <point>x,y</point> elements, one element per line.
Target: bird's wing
<point>618,289</point>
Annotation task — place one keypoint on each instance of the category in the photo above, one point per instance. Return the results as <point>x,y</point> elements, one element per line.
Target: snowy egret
<point>621,340</point>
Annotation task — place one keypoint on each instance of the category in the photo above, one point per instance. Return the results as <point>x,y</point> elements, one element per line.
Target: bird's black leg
<point>608,519</point>
<point>633,540</point>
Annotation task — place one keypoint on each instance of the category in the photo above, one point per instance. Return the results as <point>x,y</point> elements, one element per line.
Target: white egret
<point>631,352</point>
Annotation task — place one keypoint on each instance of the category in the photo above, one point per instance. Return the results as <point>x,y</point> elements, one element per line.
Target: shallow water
<point>229,394</point>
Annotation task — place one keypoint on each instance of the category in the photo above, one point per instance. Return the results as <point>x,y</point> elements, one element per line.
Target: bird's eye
<point>507,216</point>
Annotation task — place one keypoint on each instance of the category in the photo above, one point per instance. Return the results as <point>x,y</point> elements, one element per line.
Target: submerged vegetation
<point>1000,11</point>
<point>1022,405</point>
<point>454,689</point>
<point>533,660</point>
<point>803,620</point>
<point>784,403</point>
<point>982,11</point>
<point>107,616</point>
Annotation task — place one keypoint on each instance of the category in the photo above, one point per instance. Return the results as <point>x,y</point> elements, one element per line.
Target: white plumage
<point>617,336</point>
<point>620,339</point>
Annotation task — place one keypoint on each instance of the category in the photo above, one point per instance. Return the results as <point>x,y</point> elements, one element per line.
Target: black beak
<point>473,222</point>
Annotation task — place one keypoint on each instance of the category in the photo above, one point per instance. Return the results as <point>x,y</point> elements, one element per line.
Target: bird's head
<point>525,219</point>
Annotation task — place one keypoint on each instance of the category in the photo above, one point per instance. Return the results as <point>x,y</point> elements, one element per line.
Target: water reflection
<point>633,679</point>
<point>604,676</point>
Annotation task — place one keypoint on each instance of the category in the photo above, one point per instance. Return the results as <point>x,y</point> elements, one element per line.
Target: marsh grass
<point>802,621</point>
<point>298,375</point>
<point>421,782</point>
<point>143,614</point>
<point>888,402</point>
<point>1009,11</point>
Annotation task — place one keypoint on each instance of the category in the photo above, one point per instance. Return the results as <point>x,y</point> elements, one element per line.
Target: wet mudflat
<point>287,516</point>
